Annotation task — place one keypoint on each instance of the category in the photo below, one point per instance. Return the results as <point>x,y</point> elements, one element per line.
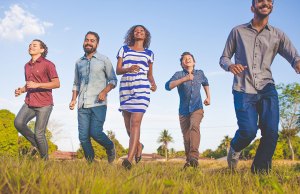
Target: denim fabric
<point>90,124</point>
<point>189,91</point>
<point>91,77</point>
<point>36,138</point>
<point>261,108</point>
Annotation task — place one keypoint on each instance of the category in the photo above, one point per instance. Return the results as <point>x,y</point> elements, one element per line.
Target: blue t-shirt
<point>189,91</point>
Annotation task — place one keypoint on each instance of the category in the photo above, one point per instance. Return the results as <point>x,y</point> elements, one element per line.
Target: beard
<point>261,15</point>
<point>89,50</point>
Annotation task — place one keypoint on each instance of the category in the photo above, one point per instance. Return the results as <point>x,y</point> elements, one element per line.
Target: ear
<point>42,51</point>
<point>252,9</point>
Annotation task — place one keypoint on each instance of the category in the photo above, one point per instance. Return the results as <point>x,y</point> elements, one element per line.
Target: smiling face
<point>187,61</point>
<point>35,48</point>
<point>139,33</point>
<point>90,44</point>
<point>262,8</point>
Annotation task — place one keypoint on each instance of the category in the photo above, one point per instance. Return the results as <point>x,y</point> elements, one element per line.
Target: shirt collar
<point>96,55</point>
<point>185,71</point>
<point>267,26</point>
<point>40,59</point>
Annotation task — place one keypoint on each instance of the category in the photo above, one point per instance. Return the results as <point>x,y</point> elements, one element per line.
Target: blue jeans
<point>36,138</point>
<point>90,124</point>
<point>255,111</point>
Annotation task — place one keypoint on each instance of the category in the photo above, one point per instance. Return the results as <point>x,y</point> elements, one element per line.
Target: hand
<point>237,68</point>
<point>134,69</point>
<point>102,96</point>
<point>72,104</point>
<point>18,92</point>
<point>207,101</point>
<point>189,77</point>
<point>297,67</point>
<point>31,84</point>
<point>153,87</point>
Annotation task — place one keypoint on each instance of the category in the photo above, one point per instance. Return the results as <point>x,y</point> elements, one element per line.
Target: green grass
<point>36,176</point>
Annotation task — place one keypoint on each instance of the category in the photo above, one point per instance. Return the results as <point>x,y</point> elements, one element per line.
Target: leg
<point>97,122</point>
<point>268,123</point>
<point>135,124</point>
<point>196,118</point>
<point>23,117</point>
<point>185,129</point>
<point>42,118</point>
<point>84,117</point>
<point>247,116</point>
<point>127,118</point>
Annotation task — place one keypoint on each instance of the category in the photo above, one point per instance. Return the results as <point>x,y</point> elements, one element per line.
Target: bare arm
<point>175,83</point>
<point>102,95</point>
<point>54,83</point>
<point>73,101</point>
<point>120,70</point>
<point>207,100</point>
<point>151,78</point>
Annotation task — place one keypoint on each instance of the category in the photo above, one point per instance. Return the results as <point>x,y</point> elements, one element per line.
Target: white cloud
<point>19,23</point>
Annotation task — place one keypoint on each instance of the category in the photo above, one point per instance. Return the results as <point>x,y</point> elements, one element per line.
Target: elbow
<point>167,86</point>
<point>57,85</point>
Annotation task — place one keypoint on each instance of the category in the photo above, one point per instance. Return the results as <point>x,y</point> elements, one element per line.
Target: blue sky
<point>200,27</point>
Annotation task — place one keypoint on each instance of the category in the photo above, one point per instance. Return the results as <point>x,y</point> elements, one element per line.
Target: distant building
<point>60,155</point>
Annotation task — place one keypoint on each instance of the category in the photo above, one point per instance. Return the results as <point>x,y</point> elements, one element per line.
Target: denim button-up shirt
<point>256,50</point>
<point>189,91</point>
<point>91,77</point>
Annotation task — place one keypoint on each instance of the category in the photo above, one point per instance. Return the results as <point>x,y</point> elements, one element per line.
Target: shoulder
<point>47,62</point>
<point>276,30</point>
<point>149,52</point>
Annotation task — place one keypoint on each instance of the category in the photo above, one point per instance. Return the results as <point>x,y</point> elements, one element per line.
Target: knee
<point>248,134</point>
<point>19,124</point>
<point>84,139</point>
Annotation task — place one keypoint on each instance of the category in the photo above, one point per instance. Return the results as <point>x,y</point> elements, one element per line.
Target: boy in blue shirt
<point>188,83</point>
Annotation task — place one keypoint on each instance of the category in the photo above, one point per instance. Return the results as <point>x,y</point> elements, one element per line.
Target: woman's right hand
<point>134,69</point>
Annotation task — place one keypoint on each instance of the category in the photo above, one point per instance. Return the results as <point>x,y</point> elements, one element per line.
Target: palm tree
<point>165,138</point>
<point>226,143</point>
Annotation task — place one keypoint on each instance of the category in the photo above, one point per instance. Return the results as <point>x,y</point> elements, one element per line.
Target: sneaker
<point>111,155</point>
<point>194,162</point>
<point>33,151</point>
<point>233,158</point>
<point>126,164</point>
<point>186,165</point>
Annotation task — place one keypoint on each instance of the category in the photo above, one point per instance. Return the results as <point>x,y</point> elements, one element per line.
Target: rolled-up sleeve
<point>288,51</point>
<point>76,84</point>
<point>173,78</point>
<point>229,50</point>
<point>110,73</point>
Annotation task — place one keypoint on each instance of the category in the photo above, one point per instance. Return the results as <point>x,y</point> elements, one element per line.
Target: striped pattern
<point>135,87</point>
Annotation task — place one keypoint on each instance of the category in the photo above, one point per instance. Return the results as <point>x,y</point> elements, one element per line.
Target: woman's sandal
<point>126,164</point>
<point>139,158</point>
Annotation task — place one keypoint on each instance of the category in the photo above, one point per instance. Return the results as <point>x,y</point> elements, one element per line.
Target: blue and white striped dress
<point>135,87</point>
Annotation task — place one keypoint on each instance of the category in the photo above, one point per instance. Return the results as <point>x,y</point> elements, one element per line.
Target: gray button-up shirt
<point>256,50</point>
<point>91,77</point>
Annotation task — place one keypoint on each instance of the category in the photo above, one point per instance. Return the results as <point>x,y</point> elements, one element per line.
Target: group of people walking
<point>254,45</point>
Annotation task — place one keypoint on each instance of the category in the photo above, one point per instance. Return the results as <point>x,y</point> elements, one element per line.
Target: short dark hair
<point>95,34</point>
<point>186,53</point>
<point>43,46</point>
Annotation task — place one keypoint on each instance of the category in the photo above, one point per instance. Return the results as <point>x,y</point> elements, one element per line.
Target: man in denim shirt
<point>94,78</point>
<point>188,83</point>
<point>254,46</point>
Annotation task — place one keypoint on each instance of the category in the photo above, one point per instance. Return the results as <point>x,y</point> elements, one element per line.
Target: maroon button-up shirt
<point>42,71</point>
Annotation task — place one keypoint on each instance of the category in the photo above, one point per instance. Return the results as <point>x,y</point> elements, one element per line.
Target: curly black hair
<point>129,38</point>
<point>43,46</point>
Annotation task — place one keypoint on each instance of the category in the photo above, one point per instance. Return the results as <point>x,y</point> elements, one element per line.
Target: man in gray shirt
<point>254,46</point>
<point>94,78</point>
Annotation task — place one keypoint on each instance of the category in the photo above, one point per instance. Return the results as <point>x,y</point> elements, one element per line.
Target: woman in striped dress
<point>135,62</point>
